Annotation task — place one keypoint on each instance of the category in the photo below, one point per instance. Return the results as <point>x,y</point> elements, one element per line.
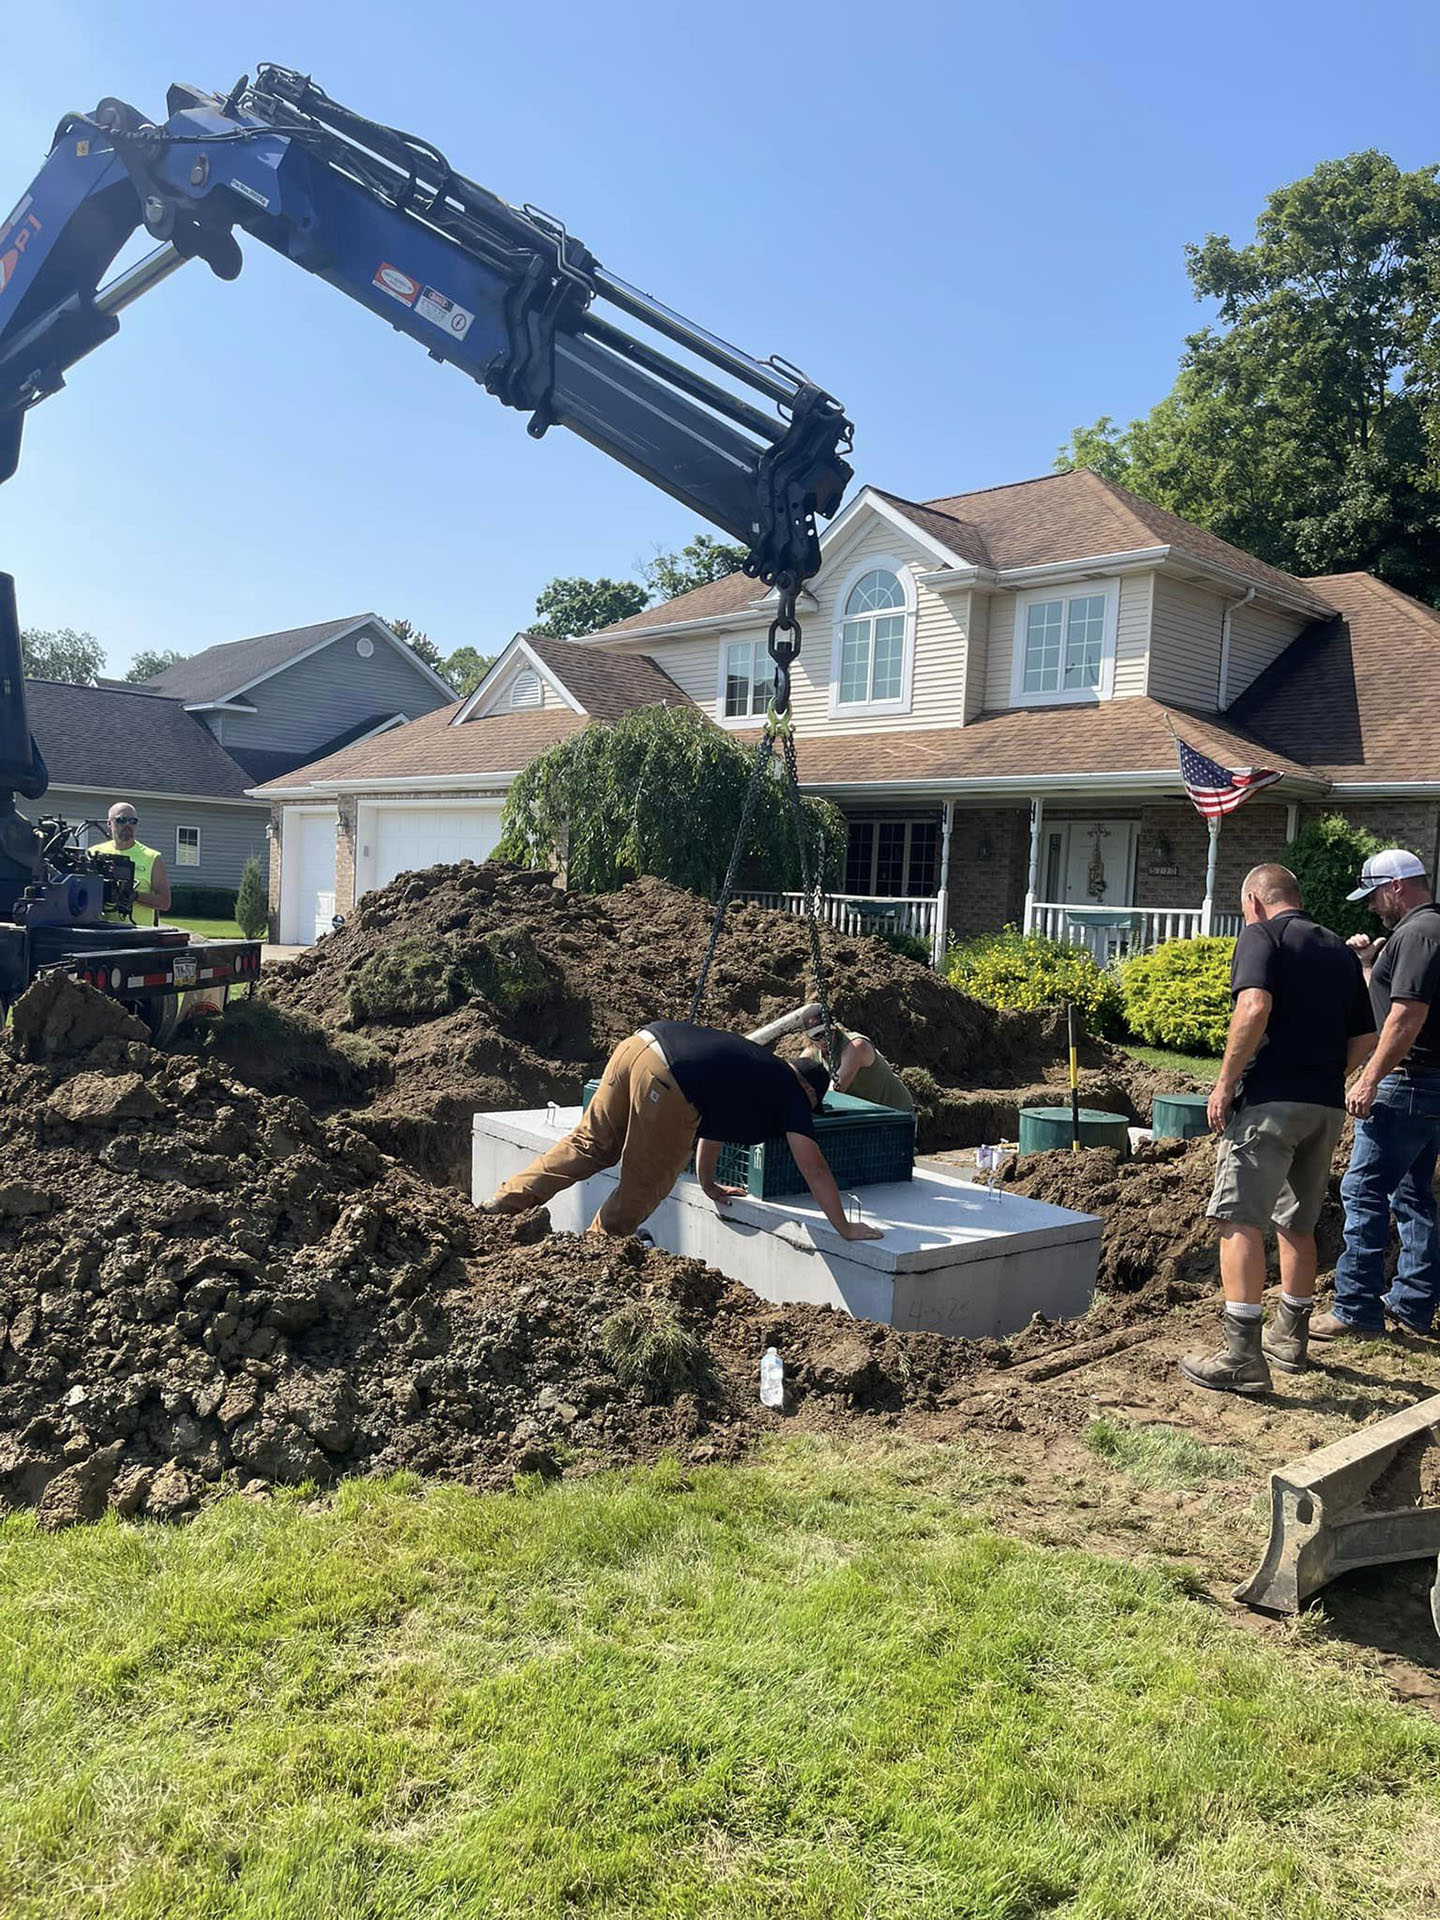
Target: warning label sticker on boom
<point>437,307</point>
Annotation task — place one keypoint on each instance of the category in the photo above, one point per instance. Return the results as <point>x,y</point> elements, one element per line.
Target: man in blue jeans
<point>1396,1104</point>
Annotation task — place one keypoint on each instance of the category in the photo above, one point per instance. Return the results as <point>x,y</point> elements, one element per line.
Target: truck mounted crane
<point>503,294</point>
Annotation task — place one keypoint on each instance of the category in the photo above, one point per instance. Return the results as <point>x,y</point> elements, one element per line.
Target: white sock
<point>1244,1309</point>
<point>1294,1300</point>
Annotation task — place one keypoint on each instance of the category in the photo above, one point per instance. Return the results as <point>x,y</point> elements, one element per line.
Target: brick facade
<point>989,892</point>
<point>273,896</point>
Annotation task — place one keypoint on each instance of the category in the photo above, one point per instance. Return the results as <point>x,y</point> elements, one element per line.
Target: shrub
<point>910,945</point>
<point>1024,972</point>
<point>206,903</point>
<point>1179,995</point>
<point>1326,857</point>
<point>251,908</point>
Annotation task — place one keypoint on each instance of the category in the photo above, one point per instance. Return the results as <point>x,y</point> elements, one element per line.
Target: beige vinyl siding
<point>1185,643</point>
<point>498,699</point>
<point>1258,635</point>
<point>977,628</point>
<point>1132,634</point>
<point>1000,652</point>
<point>939,640</point>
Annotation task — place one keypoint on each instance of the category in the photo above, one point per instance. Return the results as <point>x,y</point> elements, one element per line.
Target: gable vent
<point>525,690</point>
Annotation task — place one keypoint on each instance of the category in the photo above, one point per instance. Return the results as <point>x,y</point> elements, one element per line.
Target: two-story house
<point>187,747</point>
<point>987,689</point>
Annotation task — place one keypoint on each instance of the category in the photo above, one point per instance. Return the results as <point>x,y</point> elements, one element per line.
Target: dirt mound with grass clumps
<point>488,986</point>
<point>205,1287</point>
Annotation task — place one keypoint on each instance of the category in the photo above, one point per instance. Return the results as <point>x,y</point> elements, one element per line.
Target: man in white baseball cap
<point>1395,1100</point>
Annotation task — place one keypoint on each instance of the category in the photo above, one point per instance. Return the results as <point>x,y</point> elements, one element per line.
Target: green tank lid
<point>1042,1128</point>
<point>1179,1116</point>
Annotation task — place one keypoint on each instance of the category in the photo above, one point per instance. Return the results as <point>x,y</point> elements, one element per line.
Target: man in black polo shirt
<point>662,1087</point>
<point>1301,1024</point>
<point>1396,1103</point>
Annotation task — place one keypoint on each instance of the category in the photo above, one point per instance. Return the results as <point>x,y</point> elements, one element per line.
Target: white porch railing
<point>1132,930</point>
<point>923,918</point>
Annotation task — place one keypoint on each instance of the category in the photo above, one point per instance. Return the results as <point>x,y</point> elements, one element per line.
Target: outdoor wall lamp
<point>984,851</point>
<point>1162,850</point>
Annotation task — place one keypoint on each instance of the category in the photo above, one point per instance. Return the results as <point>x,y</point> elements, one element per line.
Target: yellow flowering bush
<point>1027,972</point>
<point>1179,995</point>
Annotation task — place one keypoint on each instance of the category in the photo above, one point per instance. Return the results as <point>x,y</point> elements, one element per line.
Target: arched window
<point>872,641</point>
<point>525,690</point>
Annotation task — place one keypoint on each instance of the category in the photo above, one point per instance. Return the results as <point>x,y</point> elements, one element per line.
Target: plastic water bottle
<point>772,1379</point>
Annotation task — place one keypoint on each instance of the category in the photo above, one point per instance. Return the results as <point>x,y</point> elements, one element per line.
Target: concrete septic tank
<point>955,1259</point>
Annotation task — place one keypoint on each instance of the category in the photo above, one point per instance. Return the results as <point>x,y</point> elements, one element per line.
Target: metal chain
<point>758,772</point>
<point>783,642</point>
<point>811,894</point>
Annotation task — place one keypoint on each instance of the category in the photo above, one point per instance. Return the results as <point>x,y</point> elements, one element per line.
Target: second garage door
<point>404,838</point>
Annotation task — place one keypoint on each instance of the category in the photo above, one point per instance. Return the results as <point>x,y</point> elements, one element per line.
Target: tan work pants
<point>638,1117</point>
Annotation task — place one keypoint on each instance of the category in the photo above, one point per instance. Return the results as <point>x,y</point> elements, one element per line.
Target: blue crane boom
<point>504,294</point>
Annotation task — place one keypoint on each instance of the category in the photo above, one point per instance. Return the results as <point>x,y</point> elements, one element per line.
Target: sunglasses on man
<point>125,820</point>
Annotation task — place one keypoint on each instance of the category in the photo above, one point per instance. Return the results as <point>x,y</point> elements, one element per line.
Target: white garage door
<point>307,875</point>
<point>406,838</point>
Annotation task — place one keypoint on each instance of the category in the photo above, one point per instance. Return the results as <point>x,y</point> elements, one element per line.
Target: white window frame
<point>190,864</point>
<point>755,642</point>
<point>1066,696</point>
<point>855,709</point>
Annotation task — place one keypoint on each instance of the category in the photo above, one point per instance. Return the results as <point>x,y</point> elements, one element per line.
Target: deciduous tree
<point>62,655</point>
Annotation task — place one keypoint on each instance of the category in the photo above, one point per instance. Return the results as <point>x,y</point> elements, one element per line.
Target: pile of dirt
<point>487,986</point>
<point>203,1286</point>
<point>1157,1239</point>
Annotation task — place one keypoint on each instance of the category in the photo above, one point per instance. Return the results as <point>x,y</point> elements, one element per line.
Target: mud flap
<point>1346,1506</point>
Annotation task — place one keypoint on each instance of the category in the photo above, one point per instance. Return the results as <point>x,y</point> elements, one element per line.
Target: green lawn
<point>205,929</point>
<point>816,1686</point>
<point>1200,1066</point>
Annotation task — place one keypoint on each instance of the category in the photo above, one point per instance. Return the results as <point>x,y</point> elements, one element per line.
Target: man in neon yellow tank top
<point>152,883</point>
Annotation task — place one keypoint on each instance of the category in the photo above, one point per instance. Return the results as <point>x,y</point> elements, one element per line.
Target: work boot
<point>1329,1326</point>
<point>1238,1366</point>
<point>1287,1338</point>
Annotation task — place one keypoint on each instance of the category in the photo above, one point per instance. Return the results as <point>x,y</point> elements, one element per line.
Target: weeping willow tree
<point>661,792</point>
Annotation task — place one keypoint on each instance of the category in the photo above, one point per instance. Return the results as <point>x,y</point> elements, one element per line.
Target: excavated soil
<point>203,1286</point>
<point>529,987</point>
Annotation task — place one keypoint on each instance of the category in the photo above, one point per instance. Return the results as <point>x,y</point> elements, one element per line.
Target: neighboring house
<point>434,790</point>
<point>102,744</point>
<point>188,745</point>
<point>986,689</point>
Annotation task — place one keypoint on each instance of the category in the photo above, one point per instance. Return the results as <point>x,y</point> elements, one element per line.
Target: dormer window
<point>525,690</point>
<point>1064,645</point>
<point>874,642</point>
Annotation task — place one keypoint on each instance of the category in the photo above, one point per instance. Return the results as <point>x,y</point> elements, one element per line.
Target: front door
<point>1091,862</point>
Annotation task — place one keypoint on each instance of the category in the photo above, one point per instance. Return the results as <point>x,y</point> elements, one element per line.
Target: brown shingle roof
<point>1116,736</point>
<point>606,684</point>
<point>731,595</point>
<point>430,746</point>
<point>1354,696</point>
<point>1071,516</point>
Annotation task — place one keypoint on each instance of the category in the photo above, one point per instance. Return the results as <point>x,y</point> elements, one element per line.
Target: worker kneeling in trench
<point>663,1087</point>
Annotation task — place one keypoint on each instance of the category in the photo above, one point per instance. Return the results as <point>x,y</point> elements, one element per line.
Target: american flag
<point>1217,790</point>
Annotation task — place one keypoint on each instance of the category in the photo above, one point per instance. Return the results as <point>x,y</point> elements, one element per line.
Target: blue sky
<point>968,224</point>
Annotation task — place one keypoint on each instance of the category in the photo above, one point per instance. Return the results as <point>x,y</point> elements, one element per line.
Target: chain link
<point>783,642</point>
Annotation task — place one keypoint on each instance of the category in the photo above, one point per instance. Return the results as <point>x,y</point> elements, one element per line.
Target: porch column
<point>942,903</point>
<point>1037,821</point>
<point>1207,910</point>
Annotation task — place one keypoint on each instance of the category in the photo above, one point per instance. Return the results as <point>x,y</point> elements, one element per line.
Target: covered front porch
<point>1115,874</point>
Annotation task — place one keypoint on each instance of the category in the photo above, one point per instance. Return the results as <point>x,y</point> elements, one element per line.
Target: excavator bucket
<point>1365,1501</point>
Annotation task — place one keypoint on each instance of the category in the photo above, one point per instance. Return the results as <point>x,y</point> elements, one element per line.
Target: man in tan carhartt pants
<point>662,1087</point>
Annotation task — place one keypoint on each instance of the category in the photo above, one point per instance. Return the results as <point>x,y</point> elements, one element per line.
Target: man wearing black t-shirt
<point>661,1088</point>
<point>1396,1104</point>
<point>1301,1023</point>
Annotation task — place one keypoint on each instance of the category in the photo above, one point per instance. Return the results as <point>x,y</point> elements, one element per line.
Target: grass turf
<point>812,1686</point>
<point>1199,1066</point>
<point>205,929</point>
